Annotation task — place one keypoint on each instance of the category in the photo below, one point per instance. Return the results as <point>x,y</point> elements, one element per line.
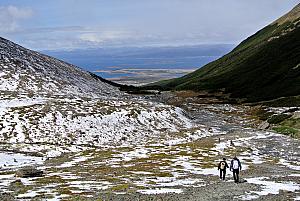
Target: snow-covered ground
<point>269,187</point>
<point>13,160</point>
<point>81,122</point>
<point>171,164</point>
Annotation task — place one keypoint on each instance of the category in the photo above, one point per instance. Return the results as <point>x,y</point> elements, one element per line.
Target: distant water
<point>116,63</point>
<point>113,59</point>
<point>110,64</point>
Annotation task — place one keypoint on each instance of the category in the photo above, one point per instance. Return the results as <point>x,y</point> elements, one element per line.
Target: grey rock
<point>29,171</point>
<point>264,125</point>
<point>296,115</point>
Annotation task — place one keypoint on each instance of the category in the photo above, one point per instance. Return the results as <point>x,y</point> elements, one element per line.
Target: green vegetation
<point>292,122</point>
<point>121,187</point>
<point>275,119</point>
<point>292,101</point>
<point>287,123</point>
<point>263,67</point>
<point>289,127</point>
<point>51,179</point>
<point>287,131</point>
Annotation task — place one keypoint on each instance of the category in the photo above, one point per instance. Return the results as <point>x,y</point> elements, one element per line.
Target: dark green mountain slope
<point>265,66</point>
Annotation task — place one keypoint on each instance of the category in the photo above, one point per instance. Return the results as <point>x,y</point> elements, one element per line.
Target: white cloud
<point>105,36</point>
<point>10,16</point>
<point>56,25</point>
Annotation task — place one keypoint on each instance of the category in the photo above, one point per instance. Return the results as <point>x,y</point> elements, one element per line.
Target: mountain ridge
<point>293,15</point>
<point>27,71</point>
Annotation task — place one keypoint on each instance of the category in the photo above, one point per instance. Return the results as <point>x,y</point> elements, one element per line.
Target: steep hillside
<point>265,66</point>
<point>26,71</point>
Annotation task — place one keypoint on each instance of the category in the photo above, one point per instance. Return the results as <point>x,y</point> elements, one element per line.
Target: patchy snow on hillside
<point>83,122</point>
<point>26,71</point>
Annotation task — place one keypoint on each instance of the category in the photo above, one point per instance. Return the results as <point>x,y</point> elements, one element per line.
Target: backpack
<point>222,165</point>
<point>235,164</point>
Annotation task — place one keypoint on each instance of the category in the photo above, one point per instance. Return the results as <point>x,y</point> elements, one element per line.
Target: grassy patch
<point>18,187</point>
<point>294,123</point>
<point>292,101</point>
<point>50,180</point>
<point>64,191</point>
<point>275,119</point>
<point>287,131</point>
<point>207,143</point>
<point>121,187</point>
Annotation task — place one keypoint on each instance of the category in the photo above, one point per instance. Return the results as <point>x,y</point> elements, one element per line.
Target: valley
<point>68,134</point>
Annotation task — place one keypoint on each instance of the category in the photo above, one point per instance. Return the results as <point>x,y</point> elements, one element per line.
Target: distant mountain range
<point>265,66</point>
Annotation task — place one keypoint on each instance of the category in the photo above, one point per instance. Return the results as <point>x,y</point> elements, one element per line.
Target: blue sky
<point>78,24</point>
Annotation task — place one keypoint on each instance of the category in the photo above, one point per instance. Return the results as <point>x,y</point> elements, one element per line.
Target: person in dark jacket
<point>235,167</point>
<point>222,167</point>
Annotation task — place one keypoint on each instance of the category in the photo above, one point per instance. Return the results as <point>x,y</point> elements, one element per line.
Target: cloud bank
<point>73,24</point>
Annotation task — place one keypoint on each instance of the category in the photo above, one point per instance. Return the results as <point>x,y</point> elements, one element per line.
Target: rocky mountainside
<point>26,71</point>
<point>47,101</point>
<point>265,66</point>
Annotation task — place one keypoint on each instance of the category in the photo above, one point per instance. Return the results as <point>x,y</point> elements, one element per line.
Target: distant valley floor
<point>140,76</point>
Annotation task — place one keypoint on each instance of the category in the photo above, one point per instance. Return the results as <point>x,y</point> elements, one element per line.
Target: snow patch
<point>13,160</point>
<point>268,187</point>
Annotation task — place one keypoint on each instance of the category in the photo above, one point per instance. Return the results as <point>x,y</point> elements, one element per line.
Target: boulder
<point>296,115</point>
<point>29,171</point>
<point>264,125</point>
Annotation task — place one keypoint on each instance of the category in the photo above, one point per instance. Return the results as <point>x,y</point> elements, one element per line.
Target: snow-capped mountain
<point>47,101</point>
<point>27,71</point>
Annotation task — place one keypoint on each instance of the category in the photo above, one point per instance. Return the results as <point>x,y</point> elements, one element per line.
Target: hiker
<point>222,167</point>
<point>235,167</point>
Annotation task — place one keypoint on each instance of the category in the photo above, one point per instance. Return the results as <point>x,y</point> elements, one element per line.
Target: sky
<point>80,24</point>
